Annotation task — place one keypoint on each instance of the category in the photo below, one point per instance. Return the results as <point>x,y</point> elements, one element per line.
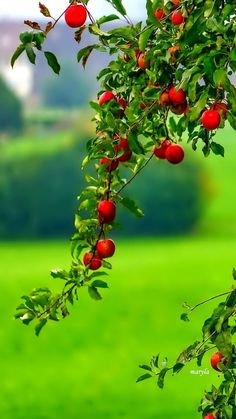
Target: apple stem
<point>138,171</point>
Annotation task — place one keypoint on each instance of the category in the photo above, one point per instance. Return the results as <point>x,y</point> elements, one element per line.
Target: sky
<point>28,9</point>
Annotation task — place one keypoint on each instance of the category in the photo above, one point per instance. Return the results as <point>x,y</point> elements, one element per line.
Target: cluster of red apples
<point>177,17</point>
<point>104,248</point>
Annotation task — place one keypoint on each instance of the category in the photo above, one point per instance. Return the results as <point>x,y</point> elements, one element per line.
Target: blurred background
<point>184,248</point>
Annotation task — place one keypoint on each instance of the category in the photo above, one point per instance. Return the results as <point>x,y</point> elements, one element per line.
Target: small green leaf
<point>144,377</point>
<point>132,206</point>
<point>108,18</point>
<point>30,53</point>
<point>26,37</point>
<point>118,6</point>
<point>144,37</point>
<point>17,53</point>
<point>99,284</point>
<point>234,274</point>
<point>39,326</point>
<point>177,367</point>
<point>217,149</point>
<point>93,292</point>
<point>52,62</point>
<point>161,377</point>
<point>184,317</point>
<point>145,367</point>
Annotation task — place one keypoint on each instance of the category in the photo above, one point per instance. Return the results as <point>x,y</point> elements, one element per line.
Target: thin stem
<point>210,299</point>
<point>138,171</point>
<point>57,301</point>
<point>88,12</point>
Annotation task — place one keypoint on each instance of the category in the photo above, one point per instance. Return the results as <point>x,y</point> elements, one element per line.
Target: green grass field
<point>86,366</point>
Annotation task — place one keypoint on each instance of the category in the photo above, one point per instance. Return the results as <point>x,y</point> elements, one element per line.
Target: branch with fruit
<point>218,332</point>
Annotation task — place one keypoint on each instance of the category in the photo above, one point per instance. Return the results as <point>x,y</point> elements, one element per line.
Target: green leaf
<point>26,37</point>
<point>177,367</point>
<point>217,149</point>
<point>220,77</point>
<point>17,53</point>
<point>85,52</point>
<point>234,274</point>
<point>30,53</point>
<point>135,144</point>
<point>108,18</point>
<point>59,273</point>
<point>161,377</point>
<point>39,326</point>
<point>93,292</point>
<point>97,31</point>
<point>52,62</point>
<point>145,367</point>
<point>144,37</point>
<point>132,206</point>
<point>99,284</point>
<point>184,317</point>
<point>118,6</point>
<point>144,377</point>
<point>196,110</point>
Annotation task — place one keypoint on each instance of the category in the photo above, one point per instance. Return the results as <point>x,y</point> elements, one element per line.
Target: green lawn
<point>86,366</point>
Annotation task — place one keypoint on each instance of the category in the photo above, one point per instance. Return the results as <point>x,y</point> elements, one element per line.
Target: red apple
<point>123,145</point>
<point>179,109</point>
<point>177,17</point>
<point>160,13</point>
<point>209,416</point>
<point>111,164</point>
<point>106,248</point>
<point>177,96</point>
<point>122,102</point>
<point>75,15</point>
<point>92,261</point>
<point>216,359</point>
<point>176,2</point>
<point>210,119</point>
<point>174,153</point>
<point>142,63</point>
<point>221,107</point>
<point>106,211</point>
<point>164,98</point>
<point>160,151</point>
<point>105,97</point>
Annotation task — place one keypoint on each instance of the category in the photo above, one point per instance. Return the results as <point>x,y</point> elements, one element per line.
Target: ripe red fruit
<point>105,97</point>
<point>210,119</point>
<point>177,96</point>
<point>209,416</point>
<point>222,108</point>
<point>122,102</point>
<point>160,13</point>
<point>218,358</point>
<point>92,261</point>
<point>106,211</point>
<point>179,109</point>
<point>164,99</point>
<point>160,151</point>
<point>174,48</point>
<point>176,2</point>
<point>142,63</point>
<point>106,248</point>
<point>127,153</point>
<point>177,17</point>
<point>111,164</point>
<point>75,15</point>
<point>174,153</point>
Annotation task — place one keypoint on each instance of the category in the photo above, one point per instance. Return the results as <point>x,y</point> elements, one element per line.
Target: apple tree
<point>169,78</point>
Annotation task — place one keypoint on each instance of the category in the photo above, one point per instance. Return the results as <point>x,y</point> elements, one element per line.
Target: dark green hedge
<point>39,183</point>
